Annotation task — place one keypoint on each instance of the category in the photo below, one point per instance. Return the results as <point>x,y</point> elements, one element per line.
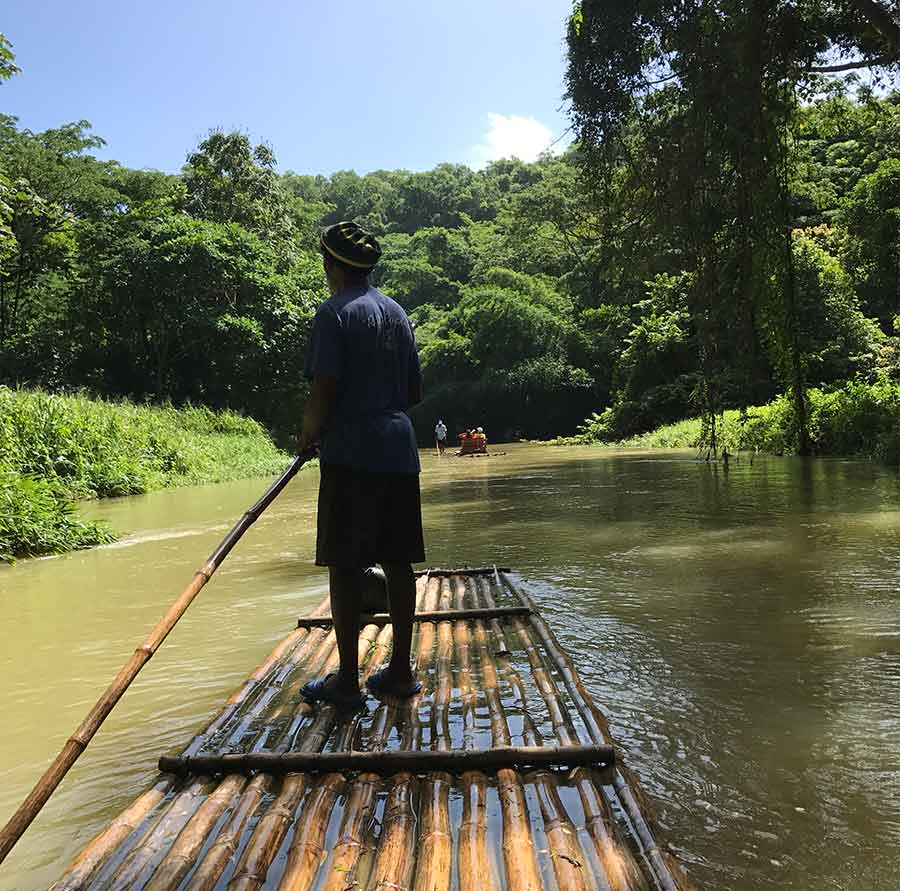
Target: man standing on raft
<point>365,375</point>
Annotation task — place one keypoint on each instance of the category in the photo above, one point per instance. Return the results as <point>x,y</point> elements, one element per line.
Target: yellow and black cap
<point>351,244</point>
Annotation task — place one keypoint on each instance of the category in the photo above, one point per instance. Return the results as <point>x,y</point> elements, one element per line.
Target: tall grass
<point>56,449</point>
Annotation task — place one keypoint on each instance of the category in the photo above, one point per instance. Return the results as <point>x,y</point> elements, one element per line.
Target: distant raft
<point>501,774</point>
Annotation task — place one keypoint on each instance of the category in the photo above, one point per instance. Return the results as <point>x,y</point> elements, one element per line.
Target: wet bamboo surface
<point>491,678</point>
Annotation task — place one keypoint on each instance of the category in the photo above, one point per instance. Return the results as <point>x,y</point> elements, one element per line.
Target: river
<point>739,627</point>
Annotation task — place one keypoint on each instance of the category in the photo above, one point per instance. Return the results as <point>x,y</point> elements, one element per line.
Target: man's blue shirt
<point>364,339</point>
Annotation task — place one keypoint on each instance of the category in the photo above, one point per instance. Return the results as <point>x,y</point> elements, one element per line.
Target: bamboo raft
<point>499,775</point>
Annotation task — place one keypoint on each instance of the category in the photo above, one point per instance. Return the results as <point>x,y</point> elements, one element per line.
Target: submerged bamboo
<point>355,829</point>
<point>396,855</point>
<point>183,853</point>
<point>476,866</point>
<point>103,845</point>
<point>226,843</point>
<point>617,862</point>
<point>143,860</point>
<point>307,848</point>
<point>270,831</point>
<point>435,843</point>
<point>619,858</point>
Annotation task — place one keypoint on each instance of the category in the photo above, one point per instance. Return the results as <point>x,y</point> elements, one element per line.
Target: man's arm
<point>318,408</point>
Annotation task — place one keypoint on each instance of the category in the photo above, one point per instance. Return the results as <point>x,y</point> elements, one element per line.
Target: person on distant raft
<point>365,374</point>
<point>440,436</point>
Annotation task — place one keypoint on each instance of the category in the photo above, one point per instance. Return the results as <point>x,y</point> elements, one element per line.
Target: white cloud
<point>512,136</point>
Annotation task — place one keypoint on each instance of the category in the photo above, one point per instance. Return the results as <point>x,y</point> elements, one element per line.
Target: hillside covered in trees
<point>706,243</point>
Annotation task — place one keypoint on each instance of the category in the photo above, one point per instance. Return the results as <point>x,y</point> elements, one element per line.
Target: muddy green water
<point>741,630</point>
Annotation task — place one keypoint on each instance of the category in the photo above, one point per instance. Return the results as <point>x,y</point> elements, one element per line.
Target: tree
<point>8,68</point>
<point>228,180</point>
<point>872,217</point>
<point>710,89</point>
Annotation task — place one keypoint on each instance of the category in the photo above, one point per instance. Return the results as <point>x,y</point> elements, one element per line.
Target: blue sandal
<point>378,687</point>
<point>318,691</point>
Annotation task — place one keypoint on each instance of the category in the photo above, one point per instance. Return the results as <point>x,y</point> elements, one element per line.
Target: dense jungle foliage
<point>725,228</point>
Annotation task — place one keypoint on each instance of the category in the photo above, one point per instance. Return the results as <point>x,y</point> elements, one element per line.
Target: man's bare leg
<point>401,585</point>
<point>346,593</point>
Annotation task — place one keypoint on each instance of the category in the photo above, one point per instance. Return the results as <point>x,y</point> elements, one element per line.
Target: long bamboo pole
<point>79,740</point>
<point>95,855</point>
<point>455,761</point>
<point>316,652</point>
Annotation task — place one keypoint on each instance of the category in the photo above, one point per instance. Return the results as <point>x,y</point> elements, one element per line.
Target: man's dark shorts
<point>366,518</point>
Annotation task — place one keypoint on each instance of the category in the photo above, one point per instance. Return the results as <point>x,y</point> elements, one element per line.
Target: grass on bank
<point>57,449</point>
<point>858,419</point>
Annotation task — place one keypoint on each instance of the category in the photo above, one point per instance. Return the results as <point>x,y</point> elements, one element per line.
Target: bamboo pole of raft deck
<point>395,856</point>
<point>519,856</point>
<point>599,731</point>
<point>618,863</point>
<point>435,844</point>
<point>182,855</point>
<point>620,869</point>
<point>301,661</point>
<point>242,804</point>
<point>79,740</point>
<point>355,827</point>
<point>566,855</point>
<point>476,867</point>
<point>180,858</point>
<point>271,671</point>
<point>139,865</point>
<point>463,571</point>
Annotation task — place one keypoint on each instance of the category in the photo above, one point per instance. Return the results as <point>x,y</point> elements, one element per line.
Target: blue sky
<point>329,85</point>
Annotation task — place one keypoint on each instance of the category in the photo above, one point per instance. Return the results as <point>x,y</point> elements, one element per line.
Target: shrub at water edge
<point>58,448</point>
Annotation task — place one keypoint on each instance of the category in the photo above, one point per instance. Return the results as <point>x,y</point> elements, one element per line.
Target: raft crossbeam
<point>441,615</point>
<point>386,763</point>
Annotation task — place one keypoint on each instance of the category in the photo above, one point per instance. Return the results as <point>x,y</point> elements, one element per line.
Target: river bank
<point>58,450</point>
<point>857,420</point>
